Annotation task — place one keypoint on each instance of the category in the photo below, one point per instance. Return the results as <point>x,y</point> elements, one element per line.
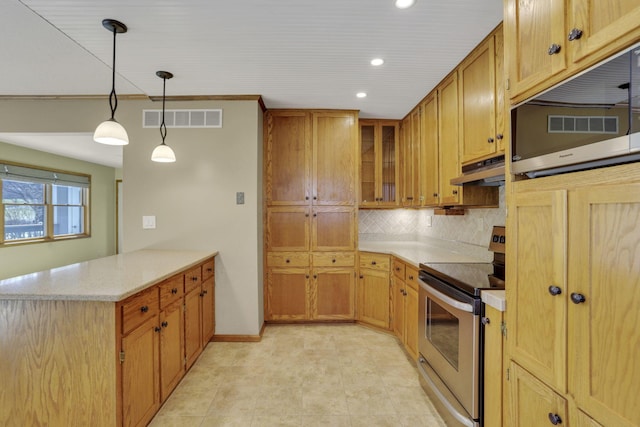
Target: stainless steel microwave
<point>591,120</point>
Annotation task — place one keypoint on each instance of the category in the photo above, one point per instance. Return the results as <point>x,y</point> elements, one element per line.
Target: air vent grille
<point>582,124</point>
<point>183,118</point>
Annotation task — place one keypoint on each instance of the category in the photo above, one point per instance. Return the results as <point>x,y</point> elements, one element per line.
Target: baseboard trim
<point>240,338</point>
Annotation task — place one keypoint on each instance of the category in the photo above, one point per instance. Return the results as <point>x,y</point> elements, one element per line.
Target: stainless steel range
<point>451,334</point>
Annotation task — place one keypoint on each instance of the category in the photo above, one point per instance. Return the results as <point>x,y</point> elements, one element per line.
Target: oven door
<point>449,344</point>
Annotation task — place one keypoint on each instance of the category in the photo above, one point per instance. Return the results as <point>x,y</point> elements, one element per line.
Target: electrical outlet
<point>428,219</point>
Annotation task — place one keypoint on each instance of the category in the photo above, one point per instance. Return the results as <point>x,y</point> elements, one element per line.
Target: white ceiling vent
<point>183,118</point>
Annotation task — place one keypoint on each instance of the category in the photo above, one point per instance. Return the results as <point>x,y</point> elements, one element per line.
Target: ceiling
<point>294,53</point>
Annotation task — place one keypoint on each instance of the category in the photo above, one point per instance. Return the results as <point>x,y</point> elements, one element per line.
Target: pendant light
<point>111,132</point>
<point>163,153</point>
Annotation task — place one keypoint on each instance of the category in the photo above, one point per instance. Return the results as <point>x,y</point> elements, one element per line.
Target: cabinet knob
<point>435,194</point>
<point>397,268</point>
<point>410,277</point>
<point>373,263</point>
<point>194,279</point>
<point>490,140</point>
<point>144,309</point>
<point>554,290</point>
<point>554,49</point>
<point>455,191</point>
<point>307,276</point>
<point>361,276</point>
<point>157,329</point>
<point>486,321</point>
<point>315,276</point>
<point>575,34</point>
<point>315,215</point>
<point>499,136</point>
<point>333,260</point>
<point>306,198</point>
<point>577,298</point>
<point>306,215</point>
<point>404,292</point>
<point>165,324</point>
<point>174,291</point>
<point>287,261</point>
<point>555,419</point>
<point>209,270</point>
<point>315,197</point>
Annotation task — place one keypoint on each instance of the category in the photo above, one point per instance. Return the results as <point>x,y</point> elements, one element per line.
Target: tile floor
<point>340,375</point>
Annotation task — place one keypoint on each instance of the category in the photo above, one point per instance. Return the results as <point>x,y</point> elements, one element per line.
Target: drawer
<point>139,308</point>
<point>287,259</point>
<point>398,268</point>
<point>334,259</point>
<point>208,269</point>
<point>171,290</point>
<point>411,277</point>
<point>375,261</point>
<point>192,279</point>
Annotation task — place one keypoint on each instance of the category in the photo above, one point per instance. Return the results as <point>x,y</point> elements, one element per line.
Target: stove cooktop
<point>468,277</point>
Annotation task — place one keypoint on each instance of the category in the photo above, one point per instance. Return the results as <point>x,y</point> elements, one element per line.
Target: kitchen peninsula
<point>102,342</point>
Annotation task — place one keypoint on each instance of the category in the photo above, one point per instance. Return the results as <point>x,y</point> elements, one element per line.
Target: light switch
<point>149,222</point>
<point>240,198</point>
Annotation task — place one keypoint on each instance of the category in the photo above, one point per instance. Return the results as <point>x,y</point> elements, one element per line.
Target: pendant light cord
<point>163,127</point>
<point>113,98</point>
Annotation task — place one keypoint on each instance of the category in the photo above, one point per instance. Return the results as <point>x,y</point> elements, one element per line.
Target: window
<point>42,205</point>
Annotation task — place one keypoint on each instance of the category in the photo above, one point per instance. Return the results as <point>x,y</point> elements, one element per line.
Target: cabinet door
<point>477,103</point>
<point>287,294</point>
<point>192,325</point>
<point>583,420</point>
<point>411,321</point>
<point>429,169</point>
<point>389,172</point>
<point>333,293</point>
<point>448,129</point>
<point>531,28</point>
<point>288,158</point>
<point>537,284</point>
<point>335,142</point>
<point>140,382</point>
<point>413,161</point>
<point>368,164</point>
<point>333,229</point>
<point>398,289</point>
<point>374,298</point>
<point>171,348</point>
<point>606,26</point>
<point>531,402</point>
<point>208,310</point>
<point>493,367</point>
<point>604,296</point>
<point>288,229</point>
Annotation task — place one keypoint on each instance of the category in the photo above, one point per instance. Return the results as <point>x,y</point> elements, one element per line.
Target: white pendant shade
<point>111,132</point>
<point>163,154</point>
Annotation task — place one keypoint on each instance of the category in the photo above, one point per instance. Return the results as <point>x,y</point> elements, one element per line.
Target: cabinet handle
<point>209,270</point>
<point>157,329</point>
<point>397,268</point>
<point>575,34</point>
<point>410,198</point>
<point>205,292</point>
<point>306,215</point>
<point>455,191</point>
<point>554,290</point>
<point>435,194</point>
<point>315,215</point>
<point>174,291</point>
<point>486,321</point>
<point>554,49</point>
<point>307,276</point>
<point>144,309</point>
<point>410,277</point>
<point>333,260</point>
<point>287,261</point>
<point>499,136</point>
<point>373,263</point>
<point>577,298</point>
<point>194,279</point>
<point>315,276</point>
<point>490,140</point>
<point>165,324</point>
<point>361,276</point>
<point>306,197</point>
<point>315,197</point>
<point>555,419</point>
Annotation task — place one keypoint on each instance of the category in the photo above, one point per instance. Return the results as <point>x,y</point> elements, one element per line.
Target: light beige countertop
<point>112,278</point>
<point>415,252</point>
<point>495,299</point>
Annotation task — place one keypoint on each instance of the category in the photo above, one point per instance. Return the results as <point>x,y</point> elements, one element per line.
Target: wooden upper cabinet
<point>288,157</point>
<point>287,228</point>
<point>429,163</point>
<point>379,171</point>
<point>335,136</point>
<point>604,26</point>
<point>603,300</point>
<point>448,131</point>
<point>535,40</point>
<point>333,228</point>
<point>410,159</point>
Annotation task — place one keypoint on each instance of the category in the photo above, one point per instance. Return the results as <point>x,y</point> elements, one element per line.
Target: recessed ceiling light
<point>404,4</point>
<point>361,94</point>
<point>377,61</point>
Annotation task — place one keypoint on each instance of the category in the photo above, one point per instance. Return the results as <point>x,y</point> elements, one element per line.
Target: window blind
<point>27,174</point>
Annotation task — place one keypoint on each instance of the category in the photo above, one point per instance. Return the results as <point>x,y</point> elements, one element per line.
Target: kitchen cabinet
<point>321,221</point>
<point>405,305</point>
<point>429,164</point>
<point>448,131</point>
<point>374,297</point>
<point>410,159</point>
<point>549,41</point>
<point>480,136</point>
<point>172,366</point>
<point>199,313</point>
<point>379,165</point>
<point>493,368</point>
<point>575,291</point>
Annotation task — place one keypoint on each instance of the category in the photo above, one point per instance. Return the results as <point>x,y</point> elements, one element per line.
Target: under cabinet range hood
<point>488,172</point>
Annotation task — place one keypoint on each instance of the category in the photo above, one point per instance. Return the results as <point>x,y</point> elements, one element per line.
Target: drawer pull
<point>397,268</point>
<point>554,49</point>
<point>174,291</point>
<point>287,261</point>
<point>575,34</point>
<point>333,260</point>
<point>373,263</point>
<point>555,419</point>
<point>144,309</point>
<point>209,270</point>
<point>157,329</point>
<point>577,298</point>
<point>165,324</point>
<point>410,277</point>
<point>554,290</point>
<point>490,140</point>
<point>194,278</point>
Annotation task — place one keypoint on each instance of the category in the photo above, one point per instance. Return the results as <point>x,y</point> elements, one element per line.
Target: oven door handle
<point>446,298</point>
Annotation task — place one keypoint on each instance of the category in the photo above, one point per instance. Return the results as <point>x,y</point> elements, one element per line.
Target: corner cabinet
<point>311,169</point>
<point>573,297</point>
<point>379,166</point>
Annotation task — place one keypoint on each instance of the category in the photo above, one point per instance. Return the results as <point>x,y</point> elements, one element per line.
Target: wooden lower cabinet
<point>405,299</point>
<point>493,351</point>
<point>140,368</point>
<point>332,294</point>
<point>172,366</point>
<point>374,299</point>
<point>287,294</point>
<point>192,326</point>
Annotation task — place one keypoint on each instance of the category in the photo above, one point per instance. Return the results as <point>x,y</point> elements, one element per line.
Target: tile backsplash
<point>474,227</point>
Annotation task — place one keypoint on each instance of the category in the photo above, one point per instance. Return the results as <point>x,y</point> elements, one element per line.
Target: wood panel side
<point>55,356</point>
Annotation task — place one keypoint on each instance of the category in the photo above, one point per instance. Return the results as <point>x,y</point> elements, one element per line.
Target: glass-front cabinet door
<point>378,163</point>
